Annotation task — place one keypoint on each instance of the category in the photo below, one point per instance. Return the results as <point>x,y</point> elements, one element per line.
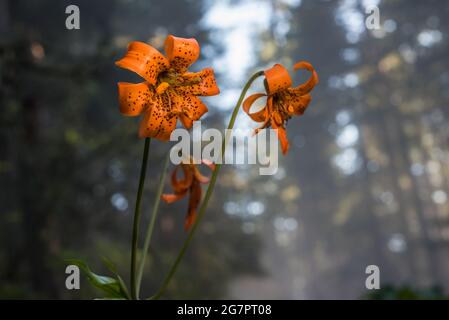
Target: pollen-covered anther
<point>162,88</point>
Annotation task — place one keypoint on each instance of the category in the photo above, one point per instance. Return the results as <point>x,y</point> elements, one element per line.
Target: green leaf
<point>112,267</point>
<point>113,288</point>
<point>109,264</point>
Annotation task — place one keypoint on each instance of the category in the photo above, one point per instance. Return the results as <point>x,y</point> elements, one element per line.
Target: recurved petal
<point>144,60</point>
<point>172,197</point>
<point>158,122</point>
<point>311,83</point>
<point>202,83</point>
<point>199,176</point>
<point>277,79</point>
<point>258,116</point>
<point>297,103</point>
<point>269,110</point>
<point>181,52</point>
<point>208,163</point>
<point>180,185</point>
<point>134,98</point>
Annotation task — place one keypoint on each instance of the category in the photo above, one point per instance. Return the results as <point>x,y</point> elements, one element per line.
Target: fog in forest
<point>366,180</point>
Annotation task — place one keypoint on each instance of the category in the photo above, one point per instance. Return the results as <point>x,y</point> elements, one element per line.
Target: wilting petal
<point>180,187</point>
<point>181,52</point>
<point>202,83</point>
<point>311,83</point>
<point>144,60</point>
<point>277,79</point>
<point>259,116</point>
<point>197,174</point>
<point>194,201</point>
<point>200,177</point>
<point>158,122</point>
<point>282,136</point>
<point>134,98</point>
<point>172,197</point>
<point>297,104</point>
<point>183,184</point>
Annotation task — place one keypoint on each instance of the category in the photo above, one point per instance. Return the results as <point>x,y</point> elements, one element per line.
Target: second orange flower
<point>283,100</point>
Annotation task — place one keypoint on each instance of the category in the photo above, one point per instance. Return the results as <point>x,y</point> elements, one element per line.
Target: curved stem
<point>135,238</point>
<point>209,192</point>
<point>150,227</point>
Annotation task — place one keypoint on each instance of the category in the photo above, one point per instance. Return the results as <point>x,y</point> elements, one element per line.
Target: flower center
<point>177,80</point>
<point>280,112</point>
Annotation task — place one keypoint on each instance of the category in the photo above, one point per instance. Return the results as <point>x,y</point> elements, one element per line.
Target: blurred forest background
<point>366,180</point>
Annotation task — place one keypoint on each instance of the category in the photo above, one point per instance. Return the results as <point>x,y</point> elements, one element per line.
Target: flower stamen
<point>162,88</point>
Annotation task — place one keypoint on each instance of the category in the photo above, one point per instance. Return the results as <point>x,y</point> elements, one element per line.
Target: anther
<point>162,88</point>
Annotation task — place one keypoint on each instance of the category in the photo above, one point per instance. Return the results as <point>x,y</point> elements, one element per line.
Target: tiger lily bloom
<point>283,100</point>
<point>190,183</point>
<point>169,91</point>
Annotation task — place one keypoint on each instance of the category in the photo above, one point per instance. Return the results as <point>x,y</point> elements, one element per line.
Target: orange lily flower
<point>283,101</point>
<point>190,183</point>
<point>169,91</point>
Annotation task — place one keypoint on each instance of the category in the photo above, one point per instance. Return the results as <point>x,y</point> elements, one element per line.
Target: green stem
<point>150,228</point>
<point>135,238</point>
<point>209,192</point>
